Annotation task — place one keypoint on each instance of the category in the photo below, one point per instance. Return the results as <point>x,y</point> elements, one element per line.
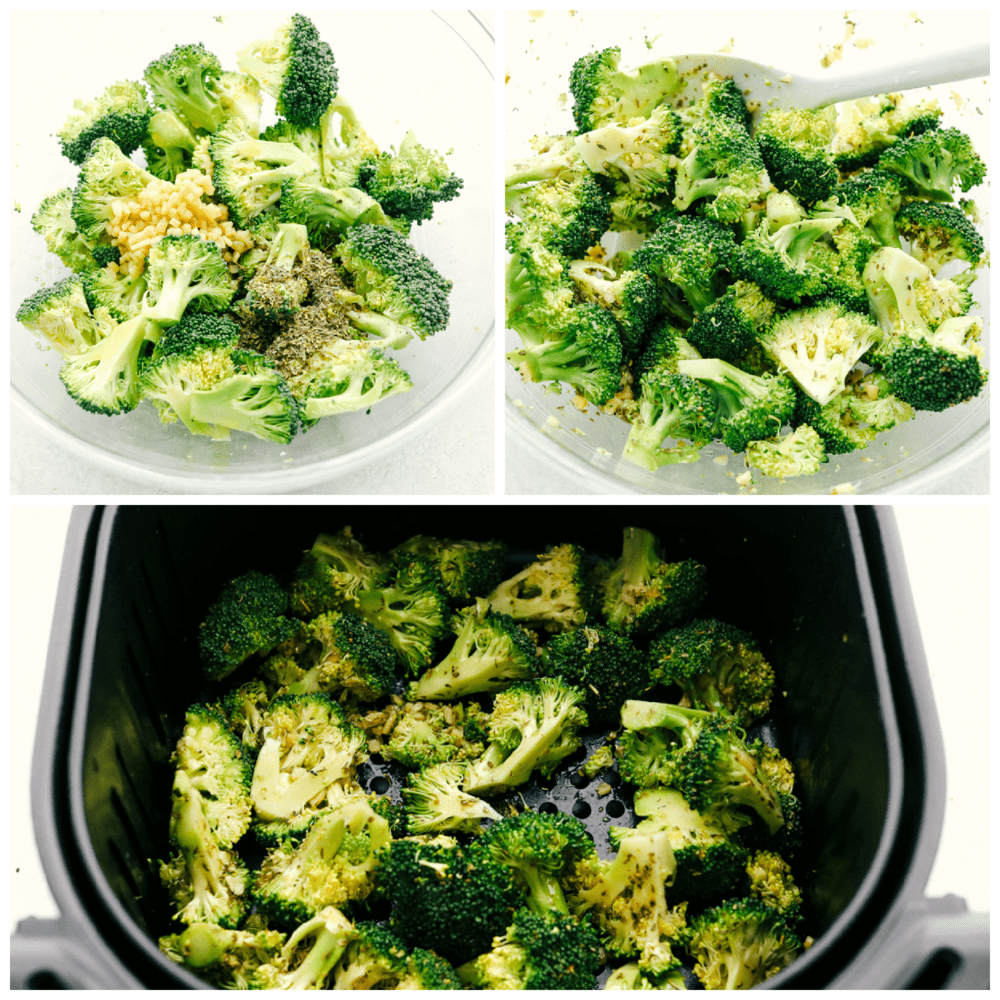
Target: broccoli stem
<point>329,945</point>
<point>545,892</point>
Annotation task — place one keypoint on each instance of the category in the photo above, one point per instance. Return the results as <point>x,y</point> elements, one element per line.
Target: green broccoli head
<point>939,233</point>
<point>800,452</point>
<point>427,732</point>
<point>185,272</point>
<point>59,315</point>
<point>222,957</point>
<point>932,162</point>
<point>469,569</point>
<point>53,220</point>
<point>107,175</point>
<point>120,114</point>
<point>795,146</point>
<point>436,803</point>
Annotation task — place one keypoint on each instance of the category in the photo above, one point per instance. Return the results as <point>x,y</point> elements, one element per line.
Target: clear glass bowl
<point>448,104</point>
<point>547,428</point>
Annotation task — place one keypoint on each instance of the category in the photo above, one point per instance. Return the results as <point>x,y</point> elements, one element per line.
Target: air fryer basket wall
<point>797,577</point>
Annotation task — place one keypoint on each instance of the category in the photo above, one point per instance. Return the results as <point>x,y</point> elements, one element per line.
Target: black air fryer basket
<point>823,588</point>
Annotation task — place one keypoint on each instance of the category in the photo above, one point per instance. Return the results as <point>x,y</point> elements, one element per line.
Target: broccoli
<point>107,175</point>
<point>712,766</point>
<point>630,296</point>
<point>425,971</point>
<point>939,233</point>
<point>541,849</point>
<point>343,150</point>
<point>537,306</point>
<point>308,956</point>
<point>435,802</point>
<point>104,378</point>
<point>795,146</point>
<point>740,944</point>
<point>246,618</point>
<point>277,289</point>
<point>446,897</point>
<point>206,882</point>
<point>224,958</point>
<point>873,403</point>
<point>170,146</point>
<point>864,128</point>
<point>243,707</point>
<point>604,665</point>
<point>836,423</point>
<point>819,346</point>
<point>710,865</point>
<point>587,355</point>
<point>549,593</point>
<point>691,253</point>
<point>309,754</point>
<point>548,952</point>
<point>775,768</point>
<point>534,726</point>
<point>554,155</point>
<point>751,407</point>
<point>627,895</point>
<point>53,220</point>
<point>401,293</point>
<point>60,316</point>
<point>333,865</point>
<point>602,759</point>
<point>727,328</point>
<point>120,114</point>
<point>932,162</point>
<point>720,97</point>
<point>185,81</point>
<point>346,653</point>
<point>117,291</point>
<point>428,733</point>
<point>411,608</point>
<point>772,883</point>
<point>185,272</point>
<point>215,765</point>
<point>409,184</point>
<point>306,200</point>
<point>631,977</point>
<point>798,453</point>
<point>671,405</point>
<point>491,652</point>
<point>333,572</point>
<point>296,67</point>
<point>468,569</point>
<point>198,377</point>
<point>718,667</point>
<point>874,197</point>
<point>375,959</point>
<point>722,164</point>
<point>604,94</point>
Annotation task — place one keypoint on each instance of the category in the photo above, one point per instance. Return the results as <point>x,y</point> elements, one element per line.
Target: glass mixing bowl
<point>448,104</point>
<point>547,428</point>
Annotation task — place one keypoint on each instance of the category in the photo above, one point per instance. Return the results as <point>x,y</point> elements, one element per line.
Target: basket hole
<point>547,807</point>
<point>581,810</point>
<point>380,785</point>
<point>615,809</point>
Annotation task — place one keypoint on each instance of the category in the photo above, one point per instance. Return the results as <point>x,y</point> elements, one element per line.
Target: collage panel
<point>747,261</point>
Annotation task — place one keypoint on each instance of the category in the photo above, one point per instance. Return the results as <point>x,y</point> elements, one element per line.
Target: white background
<point>947,554</point>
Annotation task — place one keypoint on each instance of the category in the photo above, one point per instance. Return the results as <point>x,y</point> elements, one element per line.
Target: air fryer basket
<point>824,589</point>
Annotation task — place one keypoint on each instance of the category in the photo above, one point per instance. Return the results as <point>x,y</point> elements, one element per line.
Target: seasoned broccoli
<point>630,296</point>
<point>772,883</point>
<point>728,327</point>
<point>939,233</point>
<point>874,197</point>
<point>222,957</point>
<point>375,959</point>
<point>631,977</point>
<point>243,708</point>
<point>932,162</point>
<point>468,569</point>
<point>537,304</point>
<point>534,726</point>
<point>332,573</point>
<point>795,146</point>
<point>425,971</point>
<point>798,453</point>
<point>427,733</point>
<point>435,802</point>
<point>296,67</point>
<point>548,952</point>
<point>246,618</point>
<point>836,423</point>
<point>120,114</point>
<point>308,956</point>
<point>277,289</point>
<point>864,128</point>
<point>873,402</point>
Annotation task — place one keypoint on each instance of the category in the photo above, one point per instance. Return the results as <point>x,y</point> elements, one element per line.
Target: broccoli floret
<point>278,289</point>
<point>375,959</point>
<point>722,164</point>
<point>60,316</point>
<point>534,726</point>
<point>627,895</point>
<point>246,618</point>
<point>541,849</point>
<point>427,733</point>
<point>185,81</point>
<point>215,764</point>
<point>549,593</point>
<point>939,233</point>
<point>630,296</point>
<point>323,211</point>
<point>309,955</point>
<point>206,882</point>
<point>169,147</point>
<point>117,291</point>
<point>409,184</point>
<point>718,667</point>
<point>865,127</point>
<point>296,67</point>
<point>224,958</point>
<point>309,754</point>
<point>53,220</point>
<point>468,569</point>
<point>587,355</point>
<point>795,146</point>
<point>243,708</point>
<point>120,114</point>
<point>798,453</point>
<point>537,305</point>
<point>107,175</point>
<point>606,666</point>
<point>602,759</point>
<point>874,403</point>
<point>751,407</point>
<point>554,155</point>
<point>631,977</point>
<point>447,897</point>
<point>185,272</point>
<point>491,652</point>
<point>728,327</point>
<point>435,802</point>
<point>333,865</point>
<point>720,97</point>
<point>712,767</point>
<point>740,944</point>
<point>874,197</point>
<point>400,286</point>
<point>333,572</point>
<point>772,883</point>
<point>836,423</point>
<point>932,162</point>
<point>819,346</point>
<point>425,971</point>
<point>550,952</point>
<point>692,254</point>
<point>671,405</point>
<point>602,93</point>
